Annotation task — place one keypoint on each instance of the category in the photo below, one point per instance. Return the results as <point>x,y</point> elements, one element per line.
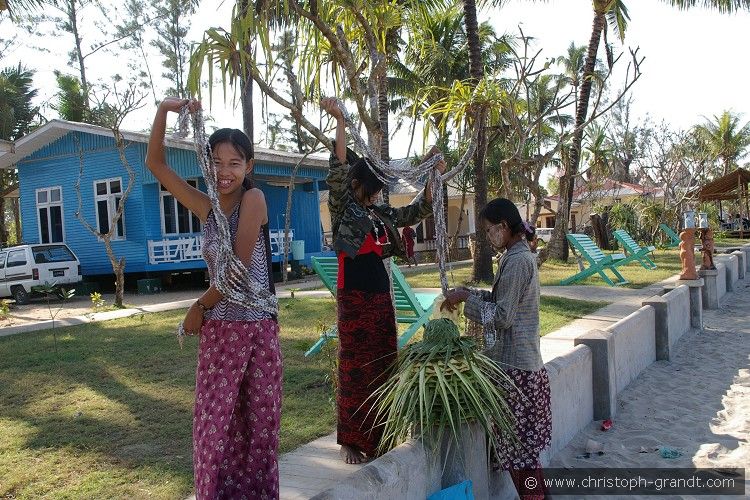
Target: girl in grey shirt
<point>509,317</point>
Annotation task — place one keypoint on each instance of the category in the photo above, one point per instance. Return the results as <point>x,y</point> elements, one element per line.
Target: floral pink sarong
<point>237,410</point>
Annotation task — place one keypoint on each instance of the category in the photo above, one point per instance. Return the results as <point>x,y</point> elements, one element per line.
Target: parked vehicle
<point>24,267</point>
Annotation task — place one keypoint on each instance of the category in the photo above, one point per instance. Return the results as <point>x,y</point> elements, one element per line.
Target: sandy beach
<point>697,404</point>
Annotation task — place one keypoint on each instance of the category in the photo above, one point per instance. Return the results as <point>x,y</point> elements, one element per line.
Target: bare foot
<point>352,455</point>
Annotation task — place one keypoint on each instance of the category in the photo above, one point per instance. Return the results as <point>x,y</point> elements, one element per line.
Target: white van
<point>25,266</point>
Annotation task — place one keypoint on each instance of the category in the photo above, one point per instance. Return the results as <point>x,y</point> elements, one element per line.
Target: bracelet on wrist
<point>202,306</point>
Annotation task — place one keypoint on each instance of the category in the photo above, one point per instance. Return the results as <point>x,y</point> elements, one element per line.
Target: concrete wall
<point>404,472</point>
<point>721,279</point>
<point>672,318</point>
<point>731,270</point>
<point>746,249</point>
<point>678,301</point>
<point>635,345</point>
<point>572,399</point>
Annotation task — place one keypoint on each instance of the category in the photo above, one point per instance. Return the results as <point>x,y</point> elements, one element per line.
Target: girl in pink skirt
<point>238,379</point>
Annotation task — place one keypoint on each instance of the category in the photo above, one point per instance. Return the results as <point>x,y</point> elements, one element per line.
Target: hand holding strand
<point>453,298</point>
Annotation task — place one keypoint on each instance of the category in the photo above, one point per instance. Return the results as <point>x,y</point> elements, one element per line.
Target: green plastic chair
<point>631,247</point>
<point>598,261</point>
<point>674,239</point>
<point>412,308</point>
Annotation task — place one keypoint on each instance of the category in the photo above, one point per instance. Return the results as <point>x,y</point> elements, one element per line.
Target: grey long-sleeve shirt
<point>510,313</point>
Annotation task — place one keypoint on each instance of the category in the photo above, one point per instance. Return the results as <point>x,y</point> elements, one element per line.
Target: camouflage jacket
<point>349,220</point>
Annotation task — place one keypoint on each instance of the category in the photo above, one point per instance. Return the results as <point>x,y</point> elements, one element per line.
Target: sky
<point>695,61</point>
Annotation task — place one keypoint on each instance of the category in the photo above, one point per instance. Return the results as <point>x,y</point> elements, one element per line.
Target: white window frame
<point>48,205</point>
<point>162,194</point>
<point>111,205</point>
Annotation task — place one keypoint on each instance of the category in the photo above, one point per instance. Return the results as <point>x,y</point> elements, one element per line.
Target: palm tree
<point>724,139</point>
<point>15,6</point>
<point>614,12</point>
<point>18,116</point>
<point>724,6</point>
<point>482,270</point>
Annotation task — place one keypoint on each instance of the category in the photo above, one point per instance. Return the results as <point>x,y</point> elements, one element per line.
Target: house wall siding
<point>57,164</point>
<point>61,168</point>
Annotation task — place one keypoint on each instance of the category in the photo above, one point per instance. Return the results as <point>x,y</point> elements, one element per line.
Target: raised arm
<point>338,190</point>
<point>193,199</point>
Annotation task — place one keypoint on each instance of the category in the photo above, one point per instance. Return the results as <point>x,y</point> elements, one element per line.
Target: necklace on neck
<point>378,227</point>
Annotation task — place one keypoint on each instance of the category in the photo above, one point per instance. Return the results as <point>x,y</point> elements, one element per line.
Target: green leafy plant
<point>4,309</point>
<point>98,301</point>
<point>440,383</point>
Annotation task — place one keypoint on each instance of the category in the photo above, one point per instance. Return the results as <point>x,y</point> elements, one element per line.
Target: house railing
<point>277,241</point>
<point>190,247</point>
<point>175,249</point>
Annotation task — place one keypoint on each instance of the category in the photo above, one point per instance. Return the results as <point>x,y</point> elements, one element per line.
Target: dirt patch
<point>38,310</point>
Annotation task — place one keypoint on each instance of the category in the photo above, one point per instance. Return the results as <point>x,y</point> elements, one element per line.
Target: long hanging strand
<point>406,170</point>
<point>232,278</point>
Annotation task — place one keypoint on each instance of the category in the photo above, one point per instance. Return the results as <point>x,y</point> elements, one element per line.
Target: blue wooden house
<point>156,234</point>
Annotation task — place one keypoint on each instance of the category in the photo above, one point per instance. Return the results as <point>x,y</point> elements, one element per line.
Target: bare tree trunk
<point>3,229</point>
<point>558,247</point>
<point>385,146</point>
<point>118,266</point>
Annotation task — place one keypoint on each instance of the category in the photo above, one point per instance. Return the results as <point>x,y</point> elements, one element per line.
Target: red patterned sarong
<point>367,350</point>
<point>237,410</point>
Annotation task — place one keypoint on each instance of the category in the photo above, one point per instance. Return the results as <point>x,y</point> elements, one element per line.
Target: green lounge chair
<point>598,261</point>
<point>631,247</point>
<point>674,239</point>
<point>412,308</point>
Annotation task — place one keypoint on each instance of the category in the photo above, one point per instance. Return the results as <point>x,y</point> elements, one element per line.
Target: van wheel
<point>20,295</point>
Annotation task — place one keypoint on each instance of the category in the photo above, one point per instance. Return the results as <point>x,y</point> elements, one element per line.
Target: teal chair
<point>412,308</point>
<point>631,247</point>
<point>674,239</point>
<point>598,261</point>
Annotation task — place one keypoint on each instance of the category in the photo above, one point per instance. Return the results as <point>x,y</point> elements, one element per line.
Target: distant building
<point>606,193</point>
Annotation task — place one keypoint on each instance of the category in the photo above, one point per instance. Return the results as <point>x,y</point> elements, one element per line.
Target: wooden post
<point>739,203</point>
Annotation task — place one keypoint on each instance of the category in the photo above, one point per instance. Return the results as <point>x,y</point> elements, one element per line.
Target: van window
<point>17,258</point>
<point>2,260</point>
<point>52,253</point>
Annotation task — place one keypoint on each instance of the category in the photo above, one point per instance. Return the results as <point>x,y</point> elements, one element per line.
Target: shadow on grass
<point>119,397</point>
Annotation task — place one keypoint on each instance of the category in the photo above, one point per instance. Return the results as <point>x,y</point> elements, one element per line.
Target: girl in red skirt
<point>363,235</point>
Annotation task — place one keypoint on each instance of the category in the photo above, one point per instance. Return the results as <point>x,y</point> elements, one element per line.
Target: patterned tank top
<point>259,268</point>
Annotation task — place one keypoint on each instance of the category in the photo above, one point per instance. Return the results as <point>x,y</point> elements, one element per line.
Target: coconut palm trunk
<point>482,270</point>
<point>558,247</point>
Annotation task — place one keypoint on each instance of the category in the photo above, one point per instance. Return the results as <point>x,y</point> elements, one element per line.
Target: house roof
<point>6,146</point>
<point>613,188</point>
<point>12,153</point>
<point>726,187</point>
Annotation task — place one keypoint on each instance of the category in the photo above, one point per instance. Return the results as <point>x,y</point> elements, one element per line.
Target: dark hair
<point>502,209</point>
<point>361,171</point>
<point>239,141</point>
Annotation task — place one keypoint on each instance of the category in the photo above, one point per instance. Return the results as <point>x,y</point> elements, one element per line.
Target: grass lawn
<point>552,272</point>
<point>110,415</point>
<point>731,242</point>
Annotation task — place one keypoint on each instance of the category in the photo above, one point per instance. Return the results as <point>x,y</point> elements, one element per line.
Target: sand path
<point>698,403</point>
